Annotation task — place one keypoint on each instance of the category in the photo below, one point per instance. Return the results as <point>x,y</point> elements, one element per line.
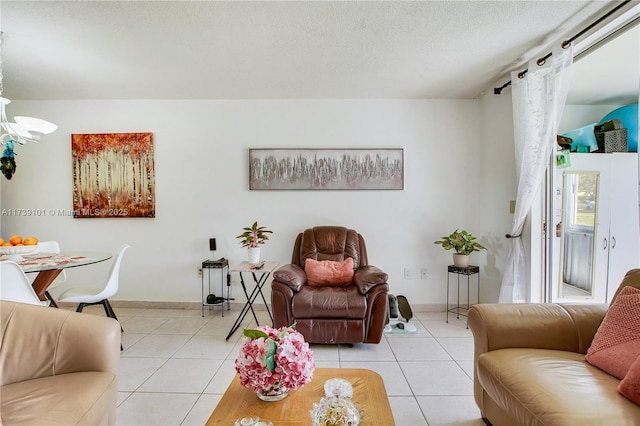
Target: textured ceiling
<point>272,49</point>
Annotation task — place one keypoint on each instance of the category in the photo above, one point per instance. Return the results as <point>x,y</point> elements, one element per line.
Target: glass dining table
<point>49,265</point>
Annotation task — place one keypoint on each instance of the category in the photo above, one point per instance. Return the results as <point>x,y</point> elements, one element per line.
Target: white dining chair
<point>15,286</point>
<point>99,293</point>
<point>51,247</point>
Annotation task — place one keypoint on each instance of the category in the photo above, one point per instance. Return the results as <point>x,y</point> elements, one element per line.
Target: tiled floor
<point>176,365</point>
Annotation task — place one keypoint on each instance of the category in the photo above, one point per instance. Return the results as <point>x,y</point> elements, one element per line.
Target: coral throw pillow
<point>328,272</point>
<point>630,385</point>
<point>616,344</point>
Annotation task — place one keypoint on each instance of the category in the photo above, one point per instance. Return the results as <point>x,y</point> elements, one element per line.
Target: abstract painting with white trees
<point>113,175</point>
<point>366,168</point>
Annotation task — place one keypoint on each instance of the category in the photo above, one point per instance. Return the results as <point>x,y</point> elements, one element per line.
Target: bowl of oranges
<point>16,246</point>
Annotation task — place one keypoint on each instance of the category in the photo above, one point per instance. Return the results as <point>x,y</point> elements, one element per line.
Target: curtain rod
<point>565,44</point>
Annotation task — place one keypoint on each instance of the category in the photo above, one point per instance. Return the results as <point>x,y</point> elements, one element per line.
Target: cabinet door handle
<point>613,242</point>
<point>604,243</point>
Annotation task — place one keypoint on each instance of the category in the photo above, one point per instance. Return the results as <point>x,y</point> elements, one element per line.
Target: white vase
<point>253,254</point>
<point>460,260</point>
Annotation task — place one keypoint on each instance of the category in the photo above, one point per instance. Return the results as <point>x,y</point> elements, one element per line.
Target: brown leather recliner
<point>355,313</point>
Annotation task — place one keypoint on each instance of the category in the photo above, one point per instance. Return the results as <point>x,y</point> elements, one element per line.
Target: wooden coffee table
<point>368,391</point>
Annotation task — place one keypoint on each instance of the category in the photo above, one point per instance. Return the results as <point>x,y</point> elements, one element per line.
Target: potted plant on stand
<point>463,243</point>
<point>252,238</point>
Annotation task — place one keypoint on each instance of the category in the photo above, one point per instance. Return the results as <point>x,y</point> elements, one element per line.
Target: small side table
<point>259,278</point>
<point>222,265</point>
<point>468,271</point>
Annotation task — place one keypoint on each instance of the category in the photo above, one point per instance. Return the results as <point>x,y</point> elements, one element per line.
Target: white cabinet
<point>598,239</point>
<point>619,231</point>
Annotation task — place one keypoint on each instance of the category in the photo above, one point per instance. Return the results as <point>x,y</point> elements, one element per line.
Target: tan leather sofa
<point>354,313</point>
<point>529,366</point>
<point>57,367</point>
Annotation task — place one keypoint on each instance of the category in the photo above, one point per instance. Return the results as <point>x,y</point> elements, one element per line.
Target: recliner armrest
<point>291,275</point>
<point>369,276</point>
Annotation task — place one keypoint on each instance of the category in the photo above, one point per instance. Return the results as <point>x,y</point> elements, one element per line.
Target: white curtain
<point>538,100</point>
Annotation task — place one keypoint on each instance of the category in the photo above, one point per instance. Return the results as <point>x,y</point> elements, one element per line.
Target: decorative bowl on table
<point>336,408</point>
<point>15,252</point>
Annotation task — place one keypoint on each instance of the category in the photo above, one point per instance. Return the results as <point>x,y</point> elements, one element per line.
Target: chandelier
<point>20,131</point>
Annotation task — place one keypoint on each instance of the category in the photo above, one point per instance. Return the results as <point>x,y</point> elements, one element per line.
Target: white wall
<point>498,187</point>
<point>458,174</point>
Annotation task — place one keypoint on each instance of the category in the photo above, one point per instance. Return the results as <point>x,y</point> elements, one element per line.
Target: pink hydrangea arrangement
<point>272,357</point>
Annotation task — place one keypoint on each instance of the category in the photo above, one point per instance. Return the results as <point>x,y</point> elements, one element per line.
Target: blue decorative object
<point>629,116</point>
<point>7,162</point>
<point>584,140</point>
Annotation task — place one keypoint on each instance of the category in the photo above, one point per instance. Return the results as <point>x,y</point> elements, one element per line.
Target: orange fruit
<point>19,245</point>
<point>1,241</point>
<point>15,239</point>
<point>7,244</point>
<point>30,241</point>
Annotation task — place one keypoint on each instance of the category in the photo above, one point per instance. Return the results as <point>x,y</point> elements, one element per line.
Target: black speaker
<point>212,244</point>
<point>393,306</point>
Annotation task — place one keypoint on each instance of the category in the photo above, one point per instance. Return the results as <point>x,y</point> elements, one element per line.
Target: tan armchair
<point>57,367</point>
<point>352,313</point>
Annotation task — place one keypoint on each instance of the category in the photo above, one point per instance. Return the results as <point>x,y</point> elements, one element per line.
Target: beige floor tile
<point>182,325</point>
<point>210,347</point>
<point>157,346</point>
<point>325,352</point>
<point>454,328</point>
<point>436,378</point>
<point>220,326</point>
<point>459,348</point>
<point>367,352</point>
<point>202,410</point>
<point>168,313</point>
<point>327,364</point>
<point>222,378</point>
<point>129,312</point>
<point>143,324</point>
<point>155,409</point>
<point>182,375</point>
<point>429,316</point>
<point>450,410</point>
<point>129,339</point>
<point>263,319</point>
<point>406,411</point>
<point>134,372</point>
<point>417,349</point>
<point>122,396</point>
<point>467,367</point>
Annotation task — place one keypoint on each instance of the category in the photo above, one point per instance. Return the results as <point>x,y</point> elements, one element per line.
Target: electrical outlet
<point>199,272</point>
<point>423,273</point>
<point>407,273</point>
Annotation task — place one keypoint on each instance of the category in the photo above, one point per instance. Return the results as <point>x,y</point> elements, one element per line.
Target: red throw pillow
<point>630,385</point>
<point>328,272</point>
<point>616,344</point>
